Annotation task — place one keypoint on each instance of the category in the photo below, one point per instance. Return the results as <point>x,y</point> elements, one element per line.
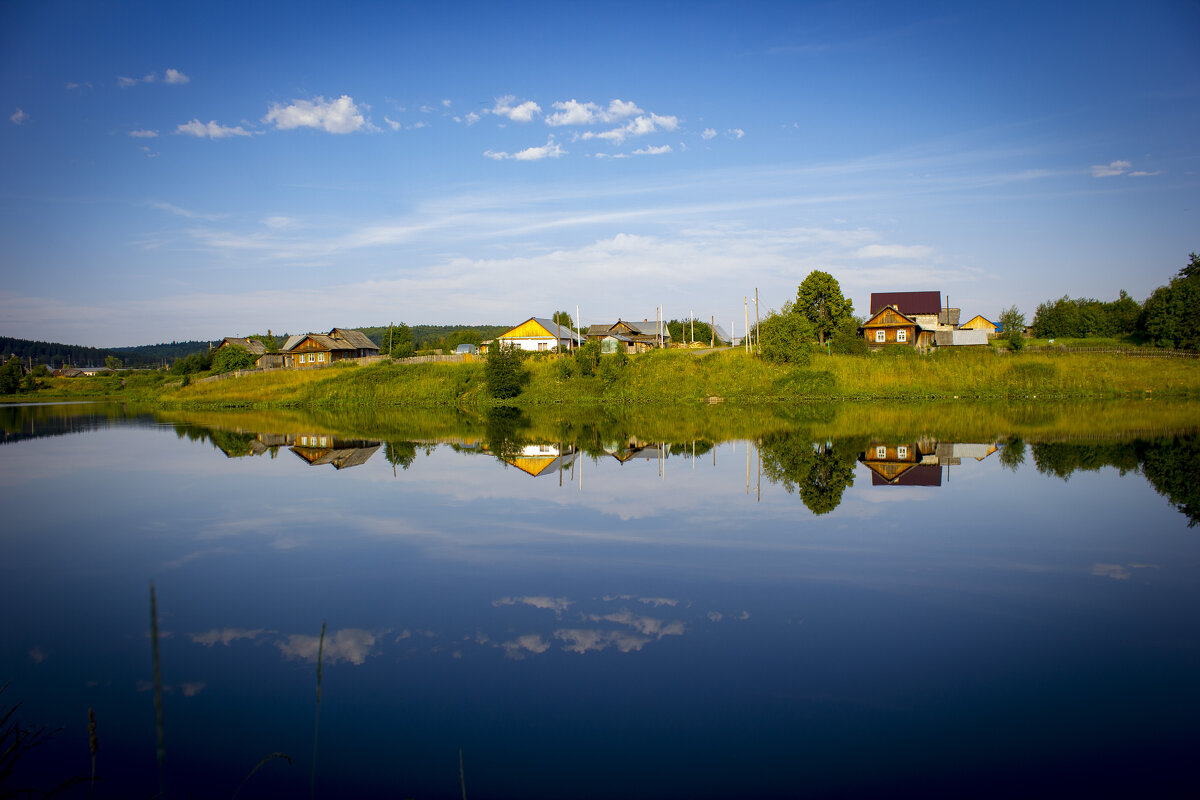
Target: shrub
<point>588,358</point>
<point>230,358</point>
<point>786,337</point>
<point>503,372</point>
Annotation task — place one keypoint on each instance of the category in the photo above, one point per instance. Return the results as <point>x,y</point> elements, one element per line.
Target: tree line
<point>1170,316</point>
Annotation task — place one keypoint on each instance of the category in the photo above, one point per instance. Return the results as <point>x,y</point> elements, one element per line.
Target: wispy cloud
<point>125,82</point>
<point>143,134</point>
<point>1110,169</point>
<point>708,133</point>
<point>225,636</point>
<point>176,77</point>
<point>551,149</point>
<point>340,115</point>
<point>894,251</point>
<point>183,212</point>
<point>19,117</point>
<point>653,151</point>
<point>211,130</point>
<point>558,605</point>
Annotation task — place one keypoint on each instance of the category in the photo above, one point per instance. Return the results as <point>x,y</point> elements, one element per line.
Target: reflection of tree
<point>400,454</point>
<point>820,472</point>
<point>699,447</point>
<point>504,432</point>
<point>1012,453</point>
<point>1170,465</point>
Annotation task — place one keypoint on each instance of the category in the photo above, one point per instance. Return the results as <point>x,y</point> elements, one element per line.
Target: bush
<point>232,357</point>
<point>611,366</point>
<point>503,372</point>
<point>588,358</point>
<point>786,337</point>
<point>847,342</point>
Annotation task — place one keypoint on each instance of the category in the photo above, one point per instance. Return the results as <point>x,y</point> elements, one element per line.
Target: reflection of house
<point>638,337</point>
<point>543,459</point>
<point>635,449</point>
<point>322,448</point>
<point>257,350</point>
<point>537,333</point>
<point>919,463</point>
<point>322,349</point>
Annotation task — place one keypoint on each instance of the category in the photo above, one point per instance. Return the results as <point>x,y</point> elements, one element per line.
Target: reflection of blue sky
<point>461,595</point>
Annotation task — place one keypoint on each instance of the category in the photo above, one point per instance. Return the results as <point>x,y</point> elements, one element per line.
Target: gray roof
<point>720,332</point>
<point>252,346</point>
<point>949,316</point>
<point>563,331</point>
<point>336,339</point>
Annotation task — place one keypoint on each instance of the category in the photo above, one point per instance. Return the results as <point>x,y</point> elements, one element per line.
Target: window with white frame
<point>880,335</point>
<point>901,452</point>
<point>320,358</point>
<point>881,452</point>
<point>901,335</point>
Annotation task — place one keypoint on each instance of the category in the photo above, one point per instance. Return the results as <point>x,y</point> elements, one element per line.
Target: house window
<point>311,357</point>
<point>901,452</point>
<point>901,335</point>
<point>880,335</point>
<point>881,452</point>
<point>542,345</point>
<point>321,358</point>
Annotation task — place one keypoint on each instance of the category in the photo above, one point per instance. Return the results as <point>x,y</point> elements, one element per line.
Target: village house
<point>889,326</point>
<point>538,334</point>
<point>636,337</point>
<point>257,349</point>
<point>322,349</point>
<point>980,323</point>
<point>918,319</point>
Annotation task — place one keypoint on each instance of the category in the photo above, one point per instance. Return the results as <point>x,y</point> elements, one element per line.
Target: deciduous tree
<point>819,300</point>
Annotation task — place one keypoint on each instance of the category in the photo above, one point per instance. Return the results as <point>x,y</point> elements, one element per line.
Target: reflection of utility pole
<point>758,453</point>
<point>747,466</point>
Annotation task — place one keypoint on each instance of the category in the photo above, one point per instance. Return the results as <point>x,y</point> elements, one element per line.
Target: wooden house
<point>323,349</point>
<point>322,448</point>
<point>638,337</point>
<point>980,323</point>
<point>539,460</point>
<point>889,326</point>
<point>539,334</point>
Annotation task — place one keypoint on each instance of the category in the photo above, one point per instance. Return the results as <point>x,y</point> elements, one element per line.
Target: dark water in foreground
<point>790,614</point>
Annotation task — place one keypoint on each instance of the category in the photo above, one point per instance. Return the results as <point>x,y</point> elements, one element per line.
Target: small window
<point>901,335</point>
<point>320,358</point>
<point>881,452</point>
<point>880,335</point>
<point>324,441</point>
<point>901,452</point>
<point>542,345</point>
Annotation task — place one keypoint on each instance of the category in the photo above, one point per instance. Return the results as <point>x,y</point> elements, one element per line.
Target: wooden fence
<point>1137,352</point>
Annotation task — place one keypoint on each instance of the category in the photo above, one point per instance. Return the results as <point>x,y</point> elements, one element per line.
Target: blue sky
<point>186,170</point>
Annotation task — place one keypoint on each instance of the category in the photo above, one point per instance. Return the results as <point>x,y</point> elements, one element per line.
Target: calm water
<point>611,611</point>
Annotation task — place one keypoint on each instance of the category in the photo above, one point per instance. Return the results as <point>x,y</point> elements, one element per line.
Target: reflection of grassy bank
<point>589,426</point>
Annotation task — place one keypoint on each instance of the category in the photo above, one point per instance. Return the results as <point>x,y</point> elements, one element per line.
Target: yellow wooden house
<point>537,333</point>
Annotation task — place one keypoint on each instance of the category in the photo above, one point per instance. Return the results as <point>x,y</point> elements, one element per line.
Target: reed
<point>312,789</point>
<point>160,748</point>
<point>93,746</point>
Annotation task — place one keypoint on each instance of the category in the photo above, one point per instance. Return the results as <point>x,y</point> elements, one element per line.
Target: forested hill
<point>55,355</point>
<point>436,335</point>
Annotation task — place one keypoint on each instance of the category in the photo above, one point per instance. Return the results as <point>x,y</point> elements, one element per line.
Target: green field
<point>671,376</point>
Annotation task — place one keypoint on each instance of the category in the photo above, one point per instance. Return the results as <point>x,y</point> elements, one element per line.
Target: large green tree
<point>1172,314</point>
<point>819,300</point>
<point>785,337</point>
<point>401,338</point>
<point>232,357</point>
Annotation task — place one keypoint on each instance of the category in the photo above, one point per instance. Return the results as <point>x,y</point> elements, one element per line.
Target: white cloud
<point>19,117</point>
<point>395,125</point>
<point>1143,174</point>
<point>894,251</point>
<point>1114,571</point>
<point>212,130</point>
<point>708,133</point>
<point>736,133</point>
<point>551,149</point>
<point>556,604</point>
<point>523,112</point>
<point>639,126</point>
<point>333,116</point>
<point>125,83</point>
<point>1110,169</point>
<point>572,112</point>
<point>183,212</point>
<point>529,643</point>
<point>175,76</point>
<point>84,85</point>
<point>471,118</point>
<point>445,104</point>
<point>280,223</point>
<point>653,151</point>
<point>144,134</point>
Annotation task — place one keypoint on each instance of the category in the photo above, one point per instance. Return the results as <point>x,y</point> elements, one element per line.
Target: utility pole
<point>746,320</point>
<point>756,323</point>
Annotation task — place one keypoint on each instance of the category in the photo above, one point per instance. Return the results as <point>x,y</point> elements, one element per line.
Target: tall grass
<point>312,789</point>
<point>160,748</point>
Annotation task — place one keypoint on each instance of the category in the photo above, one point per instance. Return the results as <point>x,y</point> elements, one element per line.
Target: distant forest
<point>56,355</point>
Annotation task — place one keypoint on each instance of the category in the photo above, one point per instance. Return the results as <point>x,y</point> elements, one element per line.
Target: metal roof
<point>908,302</point>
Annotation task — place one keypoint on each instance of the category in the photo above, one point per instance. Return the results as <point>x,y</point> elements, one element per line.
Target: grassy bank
<point>676,376</point>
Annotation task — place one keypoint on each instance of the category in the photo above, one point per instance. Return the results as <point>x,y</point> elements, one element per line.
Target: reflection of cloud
<point>37,655</point>
<point>193,688</point>
<point>523,645</point>
<point>224,636</point>
<point>648,626</point>
<point>583,640</point>
<point>348,644</point>
<point>715,616</point>
<point>556,604</point>
<point>658,601</point>
<point>1114,571</point>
